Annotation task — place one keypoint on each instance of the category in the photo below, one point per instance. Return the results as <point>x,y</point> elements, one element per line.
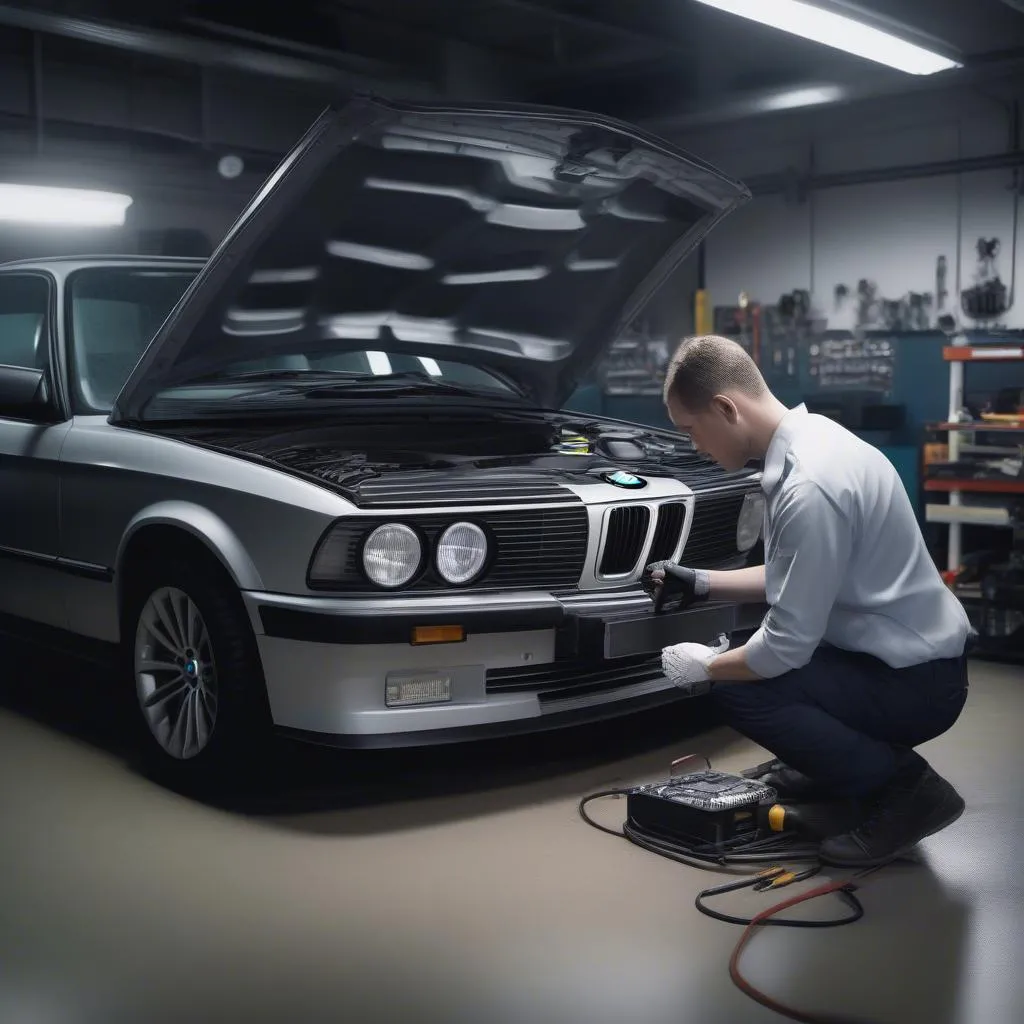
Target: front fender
<point>207,528</point>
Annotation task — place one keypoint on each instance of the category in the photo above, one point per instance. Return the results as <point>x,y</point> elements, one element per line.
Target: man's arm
<point>732,667</point>
<point>731,585</point>
<point>736,585</point>
<point>809,556</point>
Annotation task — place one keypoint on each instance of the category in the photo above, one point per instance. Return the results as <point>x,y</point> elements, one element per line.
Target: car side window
<point>24,306</point>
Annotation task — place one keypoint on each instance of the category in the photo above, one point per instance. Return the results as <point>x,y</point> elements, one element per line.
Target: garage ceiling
<point>632,59</point>
<point>670,63</point>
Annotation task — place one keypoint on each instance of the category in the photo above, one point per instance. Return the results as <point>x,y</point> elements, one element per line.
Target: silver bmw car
<point>324,482</point>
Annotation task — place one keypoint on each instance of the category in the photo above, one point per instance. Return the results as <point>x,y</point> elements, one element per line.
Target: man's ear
<point>726,408</point>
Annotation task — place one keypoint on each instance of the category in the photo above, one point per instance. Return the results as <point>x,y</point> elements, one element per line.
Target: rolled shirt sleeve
<point>806,559</point>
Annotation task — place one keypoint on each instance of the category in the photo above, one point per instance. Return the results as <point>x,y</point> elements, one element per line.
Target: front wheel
<point>199,690</point>
<point>176,673</point>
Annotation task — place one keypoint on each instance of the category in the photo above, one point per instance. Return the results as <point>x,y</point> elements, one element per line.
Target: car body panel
<point>151,480</point>
<point>30,582</point>
<point>514,238</point>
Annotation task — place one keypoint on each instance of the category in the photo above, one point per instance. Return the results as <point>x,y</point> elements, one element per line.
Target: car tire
<point>203,728</point>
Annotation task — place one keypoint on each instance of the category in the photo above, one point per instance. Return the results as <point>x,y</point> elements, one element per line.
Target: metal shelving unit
<point>956,513</point>
<point>987,608</point>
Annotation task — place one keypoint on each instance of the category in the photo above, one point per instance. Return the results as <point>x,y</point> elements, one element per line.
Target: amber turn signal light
<point>438,634</point>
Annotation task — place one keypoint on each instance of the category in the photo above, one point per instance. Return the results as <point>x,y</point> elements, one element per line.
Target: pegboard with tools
<point>853,363</point>
<point>794,348</point>
<point>776,336</point>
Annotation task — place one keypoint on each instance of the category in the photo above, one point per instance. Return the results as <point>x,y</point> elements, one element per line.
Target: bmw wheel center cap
<point>620,478</point>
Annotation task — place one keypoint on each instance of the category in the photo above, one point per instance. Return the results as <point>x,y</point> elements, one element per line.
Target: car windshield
<point>115,311</point>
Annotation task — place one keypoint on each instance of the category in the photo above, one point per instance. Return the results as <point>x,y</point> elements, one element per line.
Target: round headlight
<point>392,555</point>
<point>461,552</point>
<point>748,527</point>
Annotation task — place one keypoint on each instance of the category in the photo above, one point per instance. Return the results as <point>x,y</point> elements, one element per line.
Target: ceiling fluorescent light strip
<point>838,31</point>
<point>40,204</point>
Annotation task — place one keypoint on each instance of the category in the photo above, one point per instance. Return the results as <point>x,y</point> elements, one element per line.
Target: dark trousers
<point>847,720</point>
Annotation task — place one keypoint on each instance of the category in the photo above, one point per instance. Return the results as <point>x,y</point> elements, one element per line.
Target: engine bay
<point>347,454</point>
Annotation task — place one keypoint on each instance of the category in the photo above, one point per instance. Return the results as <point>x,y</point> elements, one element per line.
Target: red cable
<point>744,986</point>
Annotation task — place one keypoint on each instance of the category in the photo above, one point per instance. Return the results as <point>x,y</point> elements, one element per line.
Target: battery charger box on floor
<point>700,807</point>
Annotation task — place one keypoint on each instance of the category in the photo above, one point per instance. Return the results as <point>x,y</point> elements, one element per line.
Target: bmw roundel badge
<point>620,478</point>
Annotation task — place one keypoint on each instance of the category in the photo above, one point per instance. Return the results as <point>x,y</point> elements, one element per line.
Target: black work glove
<point>678,588</point>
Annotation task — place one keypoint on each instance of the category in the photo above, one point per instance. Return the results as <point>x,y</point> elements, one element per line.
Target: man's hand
<point>686,665</point>
<point>673,587</point>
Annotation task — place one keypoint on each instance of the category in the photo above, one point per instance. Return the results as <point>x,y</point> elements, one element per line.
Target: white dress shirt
<point>845,562</point>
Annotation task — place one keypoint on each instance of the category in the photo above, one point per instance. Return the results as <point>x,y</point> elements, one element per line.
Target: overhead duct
<point>210,53</point>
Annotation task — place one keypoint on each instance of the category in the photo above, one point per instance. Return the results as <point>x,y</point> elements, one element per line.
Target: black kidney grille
<point>671,519</point>
<point>624,540</point>
<point>542,549</point>
<point>563,680</point>
<point>712,539</point>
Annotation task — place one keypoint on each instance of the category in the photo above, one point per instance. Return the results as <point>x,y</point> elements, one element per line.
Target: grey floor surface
<point>462,886</point>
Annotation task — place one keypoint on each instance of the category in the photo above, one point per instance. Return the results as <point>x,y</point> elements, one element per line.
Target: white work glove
<point>686,665</point>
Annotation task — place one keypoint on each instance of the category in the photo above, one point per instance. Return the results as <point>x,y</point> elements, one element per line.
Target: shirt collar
<point>775,457</point>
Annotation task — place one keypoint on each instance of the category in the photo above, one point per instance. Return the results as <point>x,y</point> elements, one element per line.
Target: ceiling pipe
<point>353,63</point>
<point>784,182</point>
<point>207,53</point>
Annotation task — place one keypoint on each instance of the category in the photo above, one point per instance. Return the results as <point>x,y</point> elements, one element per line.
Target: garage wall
<point>890,232</point>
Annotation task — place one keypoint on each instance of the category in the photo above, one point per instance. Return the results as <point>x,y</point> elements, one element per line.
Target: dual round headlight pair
<point>393,554</point>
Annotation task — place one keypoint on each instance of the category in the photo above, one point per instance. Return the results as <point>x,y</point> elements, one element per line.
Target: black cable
<point>735,853</point>
<point>746,852</point>
<point>846,895</point>
<point>596,796</point>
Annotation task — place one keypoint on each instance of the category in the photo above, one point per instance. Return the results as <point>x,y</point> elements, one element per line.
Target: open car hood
<point>521,240</point>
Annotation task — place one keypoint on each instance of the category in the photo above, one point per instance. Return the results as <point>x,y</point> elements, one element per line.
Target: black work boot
<point>788,783</point>
<point>915,804</point>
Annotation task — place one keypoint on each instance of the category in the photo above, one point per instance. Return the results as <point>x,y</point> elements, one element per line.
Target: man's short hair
<point>710,365</point>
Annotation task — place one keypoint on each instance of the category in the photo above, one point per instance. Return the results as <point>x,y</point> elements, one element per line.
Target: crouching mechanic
<point>862,654</point>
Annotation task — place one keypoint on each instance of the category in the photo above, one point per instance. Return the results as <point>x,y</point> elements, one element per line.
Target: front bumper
<point>528,662</point>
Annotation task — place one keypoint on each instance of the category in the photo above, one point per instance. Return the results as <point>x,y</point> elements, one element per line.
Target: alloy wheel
<point>175,674</point>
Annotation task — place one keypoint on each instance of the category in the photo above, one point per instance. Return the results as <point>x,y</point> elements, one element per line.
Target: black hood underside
<point>517,240</point>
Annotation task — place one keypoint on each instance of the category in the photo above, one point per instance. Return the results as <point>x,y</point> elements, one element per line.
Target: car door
<point>30,582</point>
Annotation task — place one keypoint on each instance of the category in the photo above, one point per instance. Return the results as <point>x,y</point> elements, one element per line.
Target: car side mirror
<point>24,394</point>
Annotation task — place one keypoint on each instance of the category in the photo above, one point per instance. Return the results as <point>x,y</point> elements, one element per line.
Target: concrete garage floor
<point>461,885</point>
